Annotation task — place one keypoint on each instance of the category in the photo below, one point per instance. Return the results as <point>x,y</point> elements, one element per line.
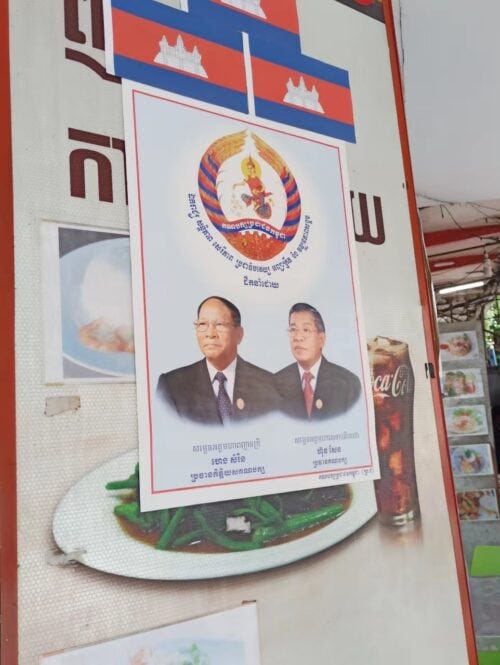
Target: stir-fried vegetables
<point>232,526</point>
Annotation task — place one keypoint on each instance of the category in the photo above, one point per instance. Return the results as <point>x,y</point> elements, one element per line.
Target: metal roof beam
<point>433,238</point>
<point>458,261</point>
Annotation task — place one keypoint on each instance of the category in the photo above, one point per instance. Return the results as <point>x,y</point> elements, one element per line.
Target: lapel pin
<point>240,403</point>
<point>319,403</point>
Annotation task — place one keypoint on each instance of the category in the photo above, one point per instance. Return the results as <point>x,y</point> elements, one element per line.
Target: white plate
<point>115,253</point>
<point>84,521</point>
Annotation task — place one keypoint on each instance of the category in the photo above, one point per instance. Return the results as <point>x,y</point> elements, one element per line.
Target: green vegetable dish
<point>229,526</point>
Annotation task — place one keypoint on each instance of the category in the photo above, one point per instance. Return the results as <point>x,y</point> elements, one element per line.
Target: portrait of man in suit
<point>222,387</point>
<point>312,387</point>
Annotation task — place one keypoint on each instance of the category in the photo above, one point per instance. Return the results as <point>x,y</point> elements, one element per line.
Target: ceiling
<point>450,53</point>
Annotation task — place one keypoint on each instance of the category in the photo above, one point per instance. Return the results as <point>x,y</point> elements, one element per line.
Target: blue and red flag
<point>200,54</point>
<point>282,14</point>
<point>274,20</point>
<point>173,50</point>
<point>301,91</point>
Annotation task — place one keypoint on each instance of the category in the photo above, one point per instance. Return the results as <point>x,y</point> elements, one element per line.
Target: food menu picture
<point>478,505</point>
<point>87,300</point>
<point>224,638</point>
<point>201,542</point>
<point>463,383</point>
<point>472,460</point>
<point>466,420</point>
<point>458,346</point>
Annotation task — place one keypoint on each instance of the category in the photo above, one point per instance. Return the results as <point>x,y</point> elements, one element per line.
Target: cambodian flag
<point>297,90</point>
<point>274,20</point>
<point>203,54</point>
<point>177,51</point>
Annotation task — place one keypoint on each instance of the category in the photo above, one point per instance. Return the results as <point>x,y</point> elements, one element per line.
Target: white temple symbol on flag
<point>178,57</point>
<point>300,95</point>
<point>250,6</point>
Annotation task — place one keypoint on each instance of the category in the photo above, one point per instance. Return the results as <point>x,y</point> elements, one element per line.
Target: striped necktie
<point>223,402</point>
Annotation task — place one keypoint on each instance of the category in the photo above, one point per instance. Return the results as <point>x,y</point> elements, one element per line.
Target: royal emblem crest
<point>250,195</point>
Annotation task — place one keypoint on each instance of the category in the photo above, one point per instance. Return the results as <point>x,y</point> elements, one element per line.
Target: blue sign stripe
<point>178,82</point>
<point>303,64</point>
<point>176,19</point>
<point>232,20</point>
<point>304,120</point>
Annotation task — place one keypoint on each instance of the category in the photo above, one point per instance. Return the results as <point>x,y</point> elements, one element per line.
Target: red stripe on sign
<point>281,13</point>
<point>139,39</point>
<point>270,83</point>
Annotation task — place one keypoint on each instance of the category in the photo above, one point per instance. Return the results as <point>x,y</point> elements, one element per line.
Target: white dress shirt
<point>230,374</point>
<point>314,371</point>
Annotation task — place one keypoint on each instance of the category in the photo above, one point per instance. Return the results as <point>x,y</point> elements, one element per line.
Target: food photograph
<point>458,346</point>
<point>466,420</point>
<point>472,460</point>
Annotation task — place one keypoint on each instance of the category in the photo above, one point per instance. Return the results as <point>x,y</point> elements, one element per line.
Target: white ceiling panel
<point>451,56</point>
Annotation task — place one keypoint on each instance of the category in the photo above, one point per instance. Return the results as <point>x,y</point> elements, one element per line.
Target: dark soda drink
<point>393,387</point>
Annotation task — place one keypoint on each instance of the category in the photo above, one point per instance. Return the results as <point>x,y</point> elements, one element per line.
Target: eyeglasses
<point>220,326</point>
<point>305,332</point>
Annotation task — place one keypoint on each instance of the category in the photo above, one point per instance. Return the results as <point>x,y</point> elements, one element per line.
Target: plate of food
<point>463,383</point>
<point>466,420</point>
<point>478,505</point>
<point>96,307</point>
<point>471,460</point>
<point>200,542</point>
<point>458,345</point>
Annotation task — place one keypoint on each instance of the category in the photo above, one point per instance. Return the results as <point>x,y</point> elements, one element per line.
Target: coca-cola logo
<point>397,384</point>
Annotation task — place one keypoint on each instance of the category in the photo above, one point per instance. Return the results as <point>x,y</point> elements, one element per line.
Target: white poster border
<point>154,499</point>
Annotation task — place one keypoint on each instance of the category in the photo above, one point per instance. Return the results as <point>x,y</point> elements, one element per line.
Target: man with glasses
<point>222,387</point>
<point>313,388</point>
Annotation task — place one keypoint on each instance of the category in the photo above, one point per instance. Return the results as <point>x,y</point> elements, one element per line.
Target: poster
<point>463,383</point>
<point>242,218</point>
<point>458,346</point>
<point>89,332</point>
<point>224,639</point>
<point>472,460</point>
<point>466,420</point>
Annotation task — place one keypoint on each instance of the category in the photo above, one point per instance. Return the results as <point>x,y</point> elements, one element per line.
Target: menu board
<point>468,420</point>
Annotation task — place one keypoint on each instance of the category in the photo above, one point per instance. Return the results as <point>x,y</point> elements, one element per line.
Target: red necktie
<point>308,392</point>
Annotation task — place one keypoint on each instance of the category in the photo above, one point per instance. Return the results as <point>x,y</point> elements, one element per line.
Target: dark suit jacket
<point>337,389</point>
<point>189,391</point>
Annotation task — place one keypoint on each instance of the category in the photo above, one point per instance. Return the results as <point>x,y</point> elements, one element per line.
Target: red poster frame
<point>8,522</point>
<point>431,335</point>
